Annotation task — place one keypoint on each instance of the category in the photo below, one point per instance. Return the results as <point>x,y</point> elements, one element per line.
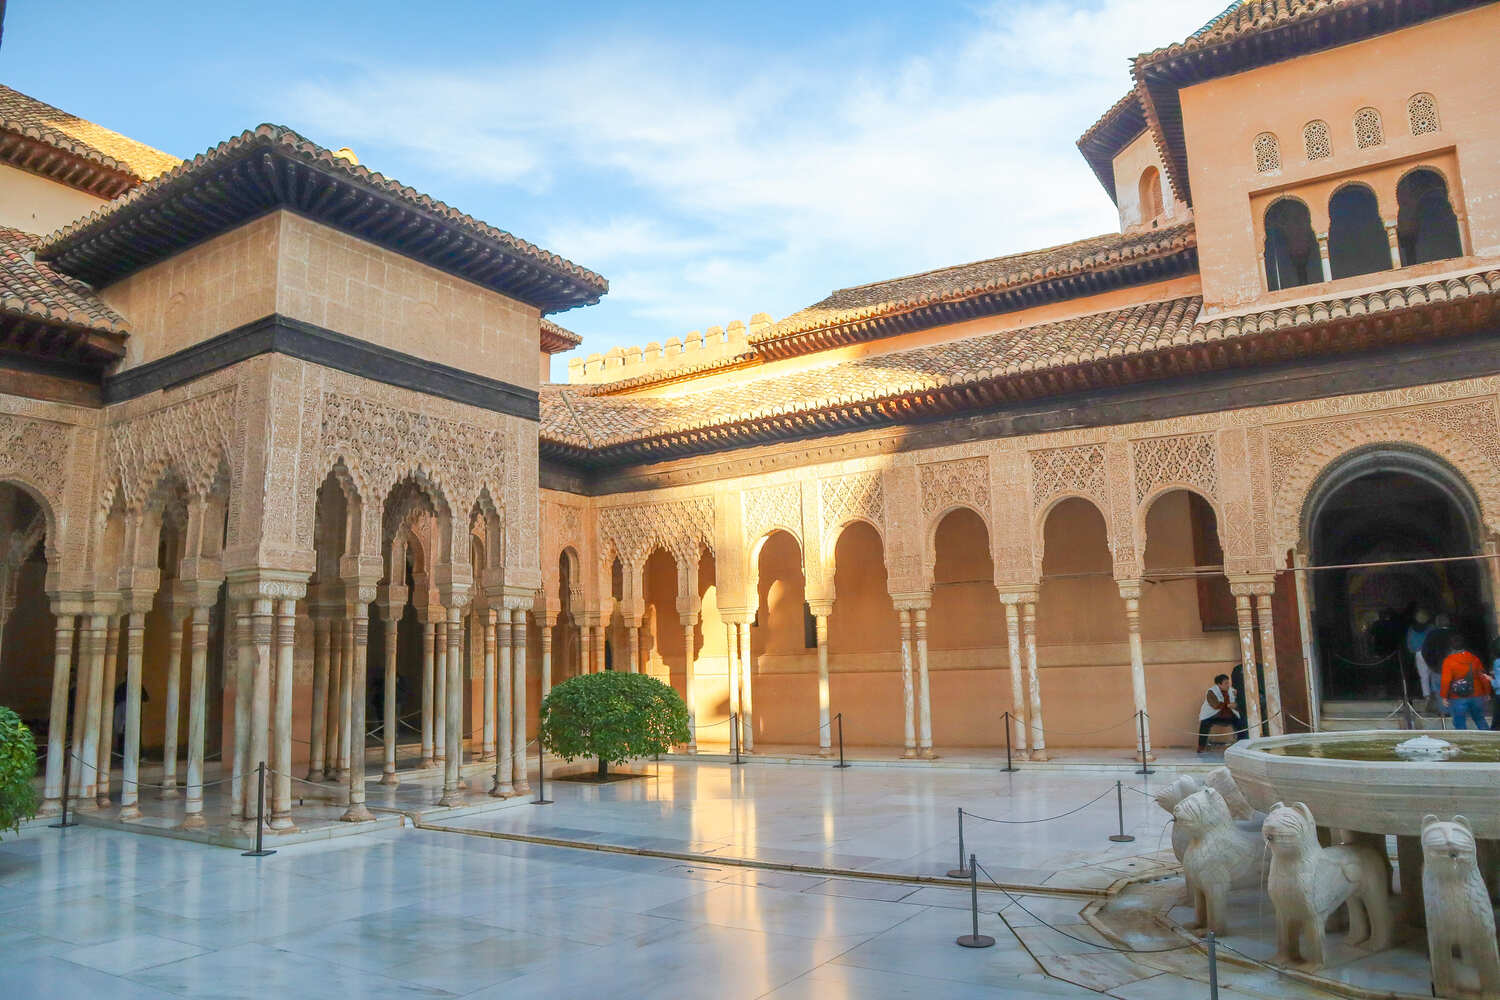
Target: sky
<point>712,160</point>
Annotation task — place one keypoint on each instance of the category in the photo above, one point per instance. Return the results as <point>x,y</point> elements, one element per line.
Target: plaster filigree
<point>850,498</point>
<point>193,436</point>
<point>963,482</point>
<point>1184,460</point>
<point>632,531</point>
<point>1076,471</point>
<point>34,452</point>
<point>770,507</point>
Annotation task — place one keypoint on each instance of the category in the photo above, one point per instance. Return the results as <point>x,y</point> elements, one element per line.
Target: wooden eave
<point>1112,133</point>
<point>61,343</point>
<point>35,156</point>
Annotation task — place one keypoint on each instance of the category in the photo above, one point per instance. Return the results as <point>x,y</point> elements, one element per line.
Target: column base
<point>523,788</point>
<point>357,813</point>
<point>170,792</point>
<point>315,775</point>
<point>283,824</point>
<point>453,798</point>
<point>1150,757</point>
<point>101,801</point>
<point>502,790</point>
<point>427,762</point>
<point>910,753</point>
<point>50,807</point>
<point>192,821</point>
<point>1039,755</point>
<point>929,754</point>
<point>340,775</point>
<point>487,757</point>
<point>389,778</point>
<point>130,812</point>
<point>691,748</point>
<point>826,752</point>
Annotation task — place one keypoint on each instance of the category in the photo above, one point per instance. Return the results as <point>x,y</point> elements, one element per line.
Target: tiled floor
<point>417,913</point>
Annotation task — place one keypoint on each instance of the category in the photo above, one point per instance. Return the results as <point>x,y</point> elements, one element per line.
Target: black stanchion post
<point>1140,717</point>
<point>960,871</point>
<point>1122,837</point>
<point>63,821</point>
<point>260,815</point>
<point>1213,967</point>
<point>541,777</point>
<point>840,718</point>
<point>974,939</point>
<point>734,736</point>
<point>1009,766</point>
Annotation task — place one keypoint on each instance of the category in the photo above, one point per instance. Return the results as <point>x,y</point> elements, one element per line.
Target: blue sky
<point>711,160</point>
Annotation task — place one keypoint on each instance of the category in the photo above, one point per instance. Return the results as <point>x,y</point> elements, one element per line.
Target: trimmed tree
<point>612,716</point>
<point>17,768</point>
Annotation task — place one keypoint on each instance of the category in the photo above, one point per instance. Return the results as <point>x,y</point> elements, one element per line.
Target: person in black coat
<point>1434,651</point>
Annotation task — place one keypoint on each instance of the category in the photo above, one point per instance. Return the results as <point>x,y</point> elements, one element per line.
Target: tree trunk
<point>603,767</point>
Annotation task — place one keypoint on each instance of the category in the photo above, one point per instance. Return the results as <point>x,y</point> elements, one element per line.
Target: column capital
<point>1130,590</point>
<point>687,619</point>
<point>821,607</point>
<point>912,600</point>
<point>737,616</point>
<point>1252,584</point>
<point>66,604</point>
<point>258,583</point>
<point>1017,593</point>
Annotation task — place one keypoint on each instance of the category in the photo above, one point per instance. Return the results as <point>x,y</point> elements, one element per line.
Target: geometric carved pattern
<point>1368,132</point>
<point>193,437</point>
<point>37,452</point>
<point>1189,460</point>
<point>1267,153</point>
<point>847,498</point>
<point>1422,114</point>
<point>682,527</point>
<point>963,482</point>
<point>1078,471</point>
<point>772,507</point>
<point>570,525</point>
<point>1316,142</point>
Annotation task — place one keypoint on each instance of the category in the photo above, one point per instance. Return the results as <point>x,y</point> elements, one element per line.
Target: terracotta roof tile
<point>71,134</point>
<point>31,289</point>
<point>556,339</point>
<point>1102,141</point>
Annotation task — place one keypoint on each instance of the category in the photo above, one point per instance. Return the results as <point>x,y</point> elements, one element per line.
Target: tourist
<point>1435,648</point>
<point>1465,686</point>
<point>1416,635</point>
<point>1218,708</point>
<point>1495,686</point>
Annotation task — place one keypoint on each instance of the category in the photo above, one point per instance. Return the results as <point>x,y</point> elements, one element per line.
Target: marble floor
<point>420,913</point>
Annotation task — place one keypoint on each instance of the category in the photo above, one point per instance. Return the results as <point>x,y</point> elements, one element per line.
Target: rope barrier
<point>151,784</point>
<point>1049,731</point>
<point>1048,819</point>
<point>1361,663</point>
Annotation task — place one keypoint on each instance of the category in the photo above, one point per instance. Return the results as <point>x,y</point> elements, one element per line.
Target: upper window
<point>1267,153</point>
<point>1357,240</point>
<point>1150,192</point>
<point>1316,141</point>
<point>1291,248</point>
<point>1426,226</point>
<point>1368,132</point>
<point>1422,114</point>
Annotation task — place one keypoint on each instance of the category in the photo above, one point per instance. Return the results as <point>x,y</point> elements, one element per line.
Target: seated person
<point>1218,707</point>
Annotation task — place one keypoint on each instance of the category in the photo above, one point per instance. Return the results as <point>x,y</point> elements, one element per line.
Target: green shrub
<point>612,716</point>
<point>17,768</point>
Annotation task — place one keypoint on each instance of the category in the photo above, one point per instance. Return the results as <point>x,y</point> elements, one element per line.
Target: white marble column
<point>732,677</point>
<point>585,650</point>
<point>1245,618</point>
<point>632,646</point>
<point>504,763</point>
<point>1130,591</point>
<point>332,729</point>
<point>1017,666</point>
<point>487,751</point>
<point>57,721</point>
<point>177,650</point>
<point>86,710</point>
<point>349,740</point>
<point>908,692</point>
<point>429,668</point>
<point>1304,625</point>
<point>689,678</point>
<point>440,689</point>
<point>391,725</point>
<point>518,701</point>
<point>546,659</point>
<point>1395,245</point>
<point>135,647</point>
<point>197,727</point>
<point>453,711</point>
<point>262,626</point>
<point>284,650</point>
<point>244,684</point>
<point>316,737</point>
<point>357,697</point>
<point>107,712</point>
<point>1033,680</point>
<point>821,610</point>
<point>924,698</point>
<point>1274,721</point>
<point>747,701</point>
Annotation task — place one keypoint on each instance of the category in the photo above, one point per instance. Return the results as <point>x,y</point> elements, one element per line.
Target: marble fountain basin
<point>1357,781</point>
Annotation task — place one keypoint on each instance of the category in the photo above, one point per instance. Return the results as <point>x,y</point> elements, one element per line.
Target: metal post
<point>67,751</point>
<point>975,939</point>
<point>1008,765</point>
<point>734,736</point>
<point>1122,837</point>
<point>840,718</point>
<point>541,776</point>
<point>260,816</point>
<point>960,871</point>
<point>1213,967</point>
<point>1141,718</point>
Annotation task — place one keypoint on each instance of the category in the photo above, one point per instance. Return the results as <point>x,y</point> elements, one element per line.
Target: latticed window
<point>1422,114</point>
<point>1267,153</point>
<point>1367,129</point>
<point>1316,141</point>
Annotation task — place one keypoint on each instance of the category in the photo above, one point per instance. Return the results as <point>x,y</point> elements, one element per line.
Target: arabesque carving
<point>853,497</point>
<point>770,507</point>
<point>682,527</point>
<point>192,436</point>
<point>1076,471</point>
<point>1184,460</point>
<point>963,482</point>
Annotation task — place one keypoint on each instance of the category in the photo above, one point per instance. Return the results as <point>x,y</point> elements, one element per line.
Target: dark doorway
<point>1357,242</point>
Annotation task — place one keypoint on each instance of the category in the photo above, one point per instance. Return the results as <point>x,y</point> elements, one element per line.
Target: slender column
<point>85,748</point>
<point>1274,722</point>
<point>1395,243</point>
<point>107,712</point>
<point>335,699</point>
<point>599,640</point>
<point>391,725</point>
<point>1033,681</point>
<point>504,767</point>
<point>1130,590</point>
<point>285,638</point>
<point>135,646</point>
<point>359,673</point>
<point>258,745</point>
<point>1017,674</point>
<point>689,677</point>
<point>57,722</point>
<point>1245,617</point>
<point>908,695</point>
<point>1304,626</point>
<point>924,701</point>
<point>546,631</point>
<point>518,703</point>
<point>747,726</point>
<point>244,673</point>
<point>440,689</point>
<point>585,650</point>
<point>487,752</point>
<point>428,668</point>
<point>320,699</point>
<point>177,647</point>
<point>453,690</point>
<point>1323,256</point>
<point>825,728</point>
<point>197,714</point>
<point>350,741</point>
<point>632,645</point>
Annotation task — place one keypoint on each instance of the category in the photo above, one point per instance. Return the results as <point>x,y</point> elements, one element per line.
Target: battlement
<point>697,348</point>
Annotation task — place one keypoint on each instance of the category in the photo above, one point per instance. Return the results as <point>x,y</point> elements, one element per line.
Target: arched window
<point>1316,142</point>
<point>1422,114</point>
<point>1368,132</point>
<point>1291,248</point>
<point>1267,153</point>
<point>1150,190</point>
<point>1426,227</point>
<point>1357,243</point>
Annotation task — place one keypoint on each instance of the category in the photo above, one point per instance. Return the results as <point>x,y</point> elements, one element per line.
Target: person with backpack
<point>1466,687</point>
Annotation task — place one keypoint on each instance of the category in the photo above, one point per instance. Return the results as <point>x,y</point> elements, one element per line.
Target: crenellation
<point>693,349</point>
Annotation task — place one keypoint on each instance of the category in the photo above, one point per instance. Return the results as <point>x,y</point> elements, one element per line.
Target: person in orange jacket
<point>1466,687</point>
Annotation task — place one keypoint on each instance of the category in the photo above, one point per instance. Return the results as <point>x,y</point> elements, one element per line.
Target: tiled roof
<point>77,137</point>
<point>556,339</point>
<point>31,289</point>
<point>274,167</point>
<point>933,290</point>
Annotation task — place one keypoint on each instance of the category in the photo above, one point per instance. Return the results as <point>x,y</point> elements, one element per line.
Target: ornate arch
<point>1039,527</point>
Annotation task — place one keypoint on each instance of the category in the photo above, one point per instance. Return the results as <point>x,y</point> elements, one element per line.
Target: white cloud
<point>739,185</point>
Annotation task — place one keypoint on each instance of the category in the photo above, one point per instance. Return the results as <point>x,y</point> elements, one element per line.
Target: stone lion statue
<point>1168,798</point>
<point>1223,782</point>
<point>1460,922</point>
<point>1308,882</point>
<point>1221,855</point>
